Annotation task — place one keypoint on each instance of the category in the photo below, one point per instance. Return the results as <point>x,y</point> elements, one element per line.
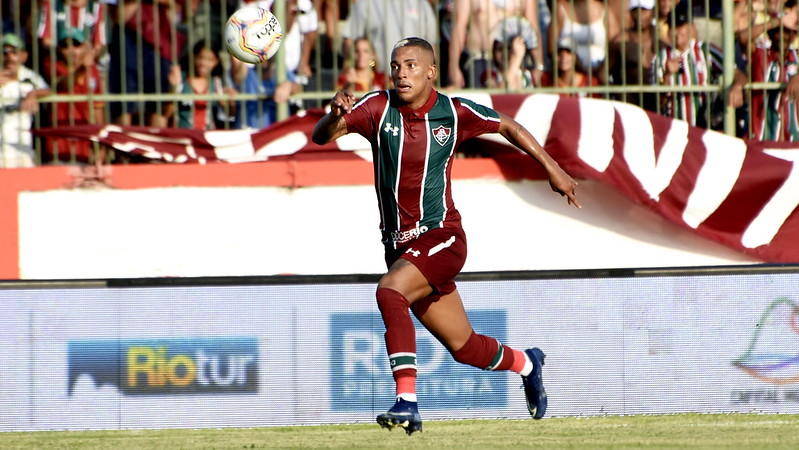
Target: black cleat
<point>534,384</point>
<point>403,414</point>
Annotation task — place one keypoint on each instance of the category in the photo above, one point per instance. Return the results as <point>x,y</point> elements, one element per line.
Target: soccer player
<point>414,132</point>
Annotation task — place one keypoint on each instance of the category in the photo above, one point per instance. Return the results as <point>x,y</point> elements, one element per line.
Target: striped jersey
<point>412,153</point>
<point>774,116</point>
<point>700,65</point>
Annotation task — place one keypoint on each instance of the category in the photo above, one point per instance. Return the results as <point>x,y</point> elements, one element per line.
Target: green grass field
<point>738,431</point>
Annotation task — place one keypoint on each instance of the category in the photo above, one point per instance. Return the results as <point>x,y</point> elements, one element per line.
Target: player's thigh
<point>446,319</point>
<point>405,278</point>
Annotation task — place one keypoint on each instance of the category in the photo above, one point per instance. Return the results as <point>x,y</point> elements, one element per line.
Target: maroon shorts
<point>439,254</point>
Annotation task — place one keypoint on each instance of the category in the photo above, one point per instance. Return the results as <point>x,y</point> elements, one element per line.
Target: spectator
<point>385,22</point>
<point>261,80</point>
<point>362,74</point>
<point>88,16</point>
<point>299,35</point>
<point>476,26</point>
<point>689,62</point>
<point>76,74</point>
<point>200,75</point>
<point>566,74</point>
<point>20,89</point>
<point>662,26</point>
<point>631,54</point>
<point>162,46</point>
<point>584,21</point>
<point>754,19</point>
<point>774,111</point>
<point>508,70</point>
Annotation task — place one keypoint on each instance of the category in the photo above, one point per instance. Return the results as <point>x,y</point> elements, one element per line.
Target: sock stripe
<point>497,358</point>
<point>401,361</point>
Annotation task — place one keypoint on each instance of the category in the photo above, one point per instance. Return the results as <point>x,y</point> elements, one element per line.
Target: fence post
<point>728,48</point>
<point>280,13</point>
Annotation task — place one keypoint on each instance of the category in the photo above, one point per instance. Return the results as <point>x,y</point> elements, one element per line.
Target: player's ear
<point>432,72</point>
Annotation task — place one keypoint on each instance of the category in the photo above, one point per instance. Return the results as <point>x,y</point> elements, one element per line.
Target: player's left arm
<point>559,180</point>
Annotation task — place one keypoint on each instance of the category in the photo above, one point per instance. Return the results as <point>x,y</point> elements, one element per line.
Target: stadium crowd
<point>163,63</point>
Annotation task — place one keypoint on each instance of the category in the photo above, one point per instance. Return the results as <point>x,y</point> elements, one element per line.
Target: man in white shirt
<point>20,89</point>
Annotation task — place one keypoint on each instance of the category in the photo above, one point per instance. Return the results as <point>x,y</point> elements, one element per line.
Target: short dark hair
<point>417,42</point>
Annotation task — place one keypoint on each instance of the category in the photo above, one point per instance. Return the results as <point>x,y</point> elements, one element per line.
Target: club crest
<point>441,134</point>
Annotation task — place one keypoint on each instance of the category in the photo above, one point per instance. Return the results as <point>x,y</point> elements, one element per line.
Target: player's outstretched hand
<point>342,103</point>
<point>563,184</point>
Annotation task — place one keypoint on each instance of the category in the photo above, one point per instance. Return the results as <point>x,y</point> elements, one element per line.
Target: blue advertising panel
<point>360,374</point>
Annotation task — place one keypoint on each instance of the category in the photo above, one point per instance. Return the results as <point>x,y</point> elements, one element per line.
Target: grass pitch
<point>739,431</point>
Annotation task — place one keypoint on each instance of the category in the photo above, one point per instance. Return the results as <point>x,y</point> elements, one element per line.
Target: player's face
<point>413,74</point>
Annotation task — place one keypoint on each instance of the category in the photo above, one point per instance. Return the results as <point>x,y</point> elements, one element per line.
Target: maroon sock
<point>400,338</point>
<point>485,353</point>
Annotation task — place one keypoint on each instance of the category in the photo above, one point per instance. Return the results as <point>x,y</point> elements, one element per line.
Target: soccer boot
<point>403,414</point>
<point>534,384</point>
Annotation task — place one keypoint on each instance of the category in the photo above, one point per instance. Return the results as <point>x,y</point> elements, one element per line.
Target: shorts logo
<point>413,252</point>
<point>442,134</point>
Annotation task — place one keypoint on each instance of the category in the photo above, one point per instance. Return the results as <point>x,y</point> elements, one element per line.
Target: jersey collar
<point>421,112</point>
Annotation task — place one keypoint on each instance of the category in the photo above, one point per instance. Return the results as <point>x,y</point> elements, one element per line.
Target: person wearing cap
<point>689,62</point>
<point>475,27</point>
<point>592,24</point>
<point>75,73</point>
<point>20,90</point>
<point>631,53</point>
<point>508,69</point>
<point>565,73</point>
<point>773,112</point>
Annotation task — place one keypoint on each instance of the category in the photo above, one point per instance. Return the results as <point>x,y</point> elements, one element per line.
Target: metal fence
<point>140,62</point>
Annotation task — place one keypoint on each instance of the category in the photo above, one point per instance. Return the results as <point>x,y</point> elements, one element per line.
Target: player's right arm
<point>332,126</point>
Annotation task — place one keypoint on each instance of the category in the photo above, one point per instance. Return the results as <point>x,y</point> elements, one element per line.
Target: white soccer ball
<point>253,34</point>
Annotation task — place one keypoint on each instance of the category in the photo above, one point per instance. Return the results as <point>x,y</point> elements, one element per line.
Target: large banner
<point>741,193</point>
<point>275,355</point>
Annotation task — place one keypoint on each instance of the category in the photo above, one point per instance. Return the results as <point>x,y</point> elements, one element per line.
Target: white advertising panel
<point>267,354</point>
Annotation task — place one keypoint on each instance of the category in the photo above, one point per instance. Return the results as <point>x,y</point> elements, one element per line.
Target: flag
<point>741,193</point>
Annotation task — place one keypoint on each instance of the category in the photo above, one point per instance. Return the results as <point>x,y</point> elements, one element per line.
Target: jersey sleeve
<point>362,118</point>
<point>475,119</point>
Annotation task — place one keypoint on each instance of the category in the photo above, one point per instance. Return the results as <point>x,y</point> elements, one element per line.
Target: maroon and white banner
<point>741,193</point>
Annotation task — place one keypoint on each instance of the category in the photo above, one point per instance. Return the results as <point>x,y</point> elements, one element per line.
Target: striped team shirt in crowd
<point>773,115</point>
<point>700,65</point>
<point>58,15</point>
<point>412,155</point>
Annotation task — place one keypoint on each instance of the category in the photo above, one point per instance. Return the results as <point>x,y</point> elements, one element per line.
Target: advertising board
<point>244,353</point>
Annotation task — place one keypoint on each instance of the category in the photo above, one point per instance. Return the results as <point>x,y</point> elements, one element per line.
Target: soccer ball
<point>253,34</point>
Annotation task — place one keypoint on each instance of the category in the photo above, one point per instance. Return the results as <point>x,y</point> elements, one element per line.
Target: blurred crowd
<point>162,63</point>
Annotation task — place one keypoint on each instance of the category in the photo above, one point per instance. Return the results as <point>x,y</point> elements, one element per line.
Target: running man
<point>414,131</point>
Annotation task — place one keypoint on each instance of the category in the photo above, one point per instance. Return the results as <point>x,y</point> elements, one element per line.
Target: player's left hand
<point>563,184</point>
<point>342,103</point>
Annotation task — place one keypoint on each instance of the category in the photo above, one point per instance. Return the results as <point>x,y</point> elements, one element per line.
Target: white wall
<point>233,231</point>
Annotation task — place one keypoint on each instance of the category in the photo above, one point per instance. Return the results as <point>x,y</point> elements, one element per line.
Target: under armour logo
<point>393,130</point>
<point>413,252</point>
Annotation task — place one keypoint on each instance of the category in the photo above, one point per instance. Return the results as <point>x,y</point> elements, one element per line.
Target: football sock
<point>487,353</point>
<point>400,340</point>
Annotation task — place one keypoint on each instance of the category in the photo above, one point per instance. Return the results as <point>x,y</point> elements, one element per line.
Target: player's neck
<point>418,103</point>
